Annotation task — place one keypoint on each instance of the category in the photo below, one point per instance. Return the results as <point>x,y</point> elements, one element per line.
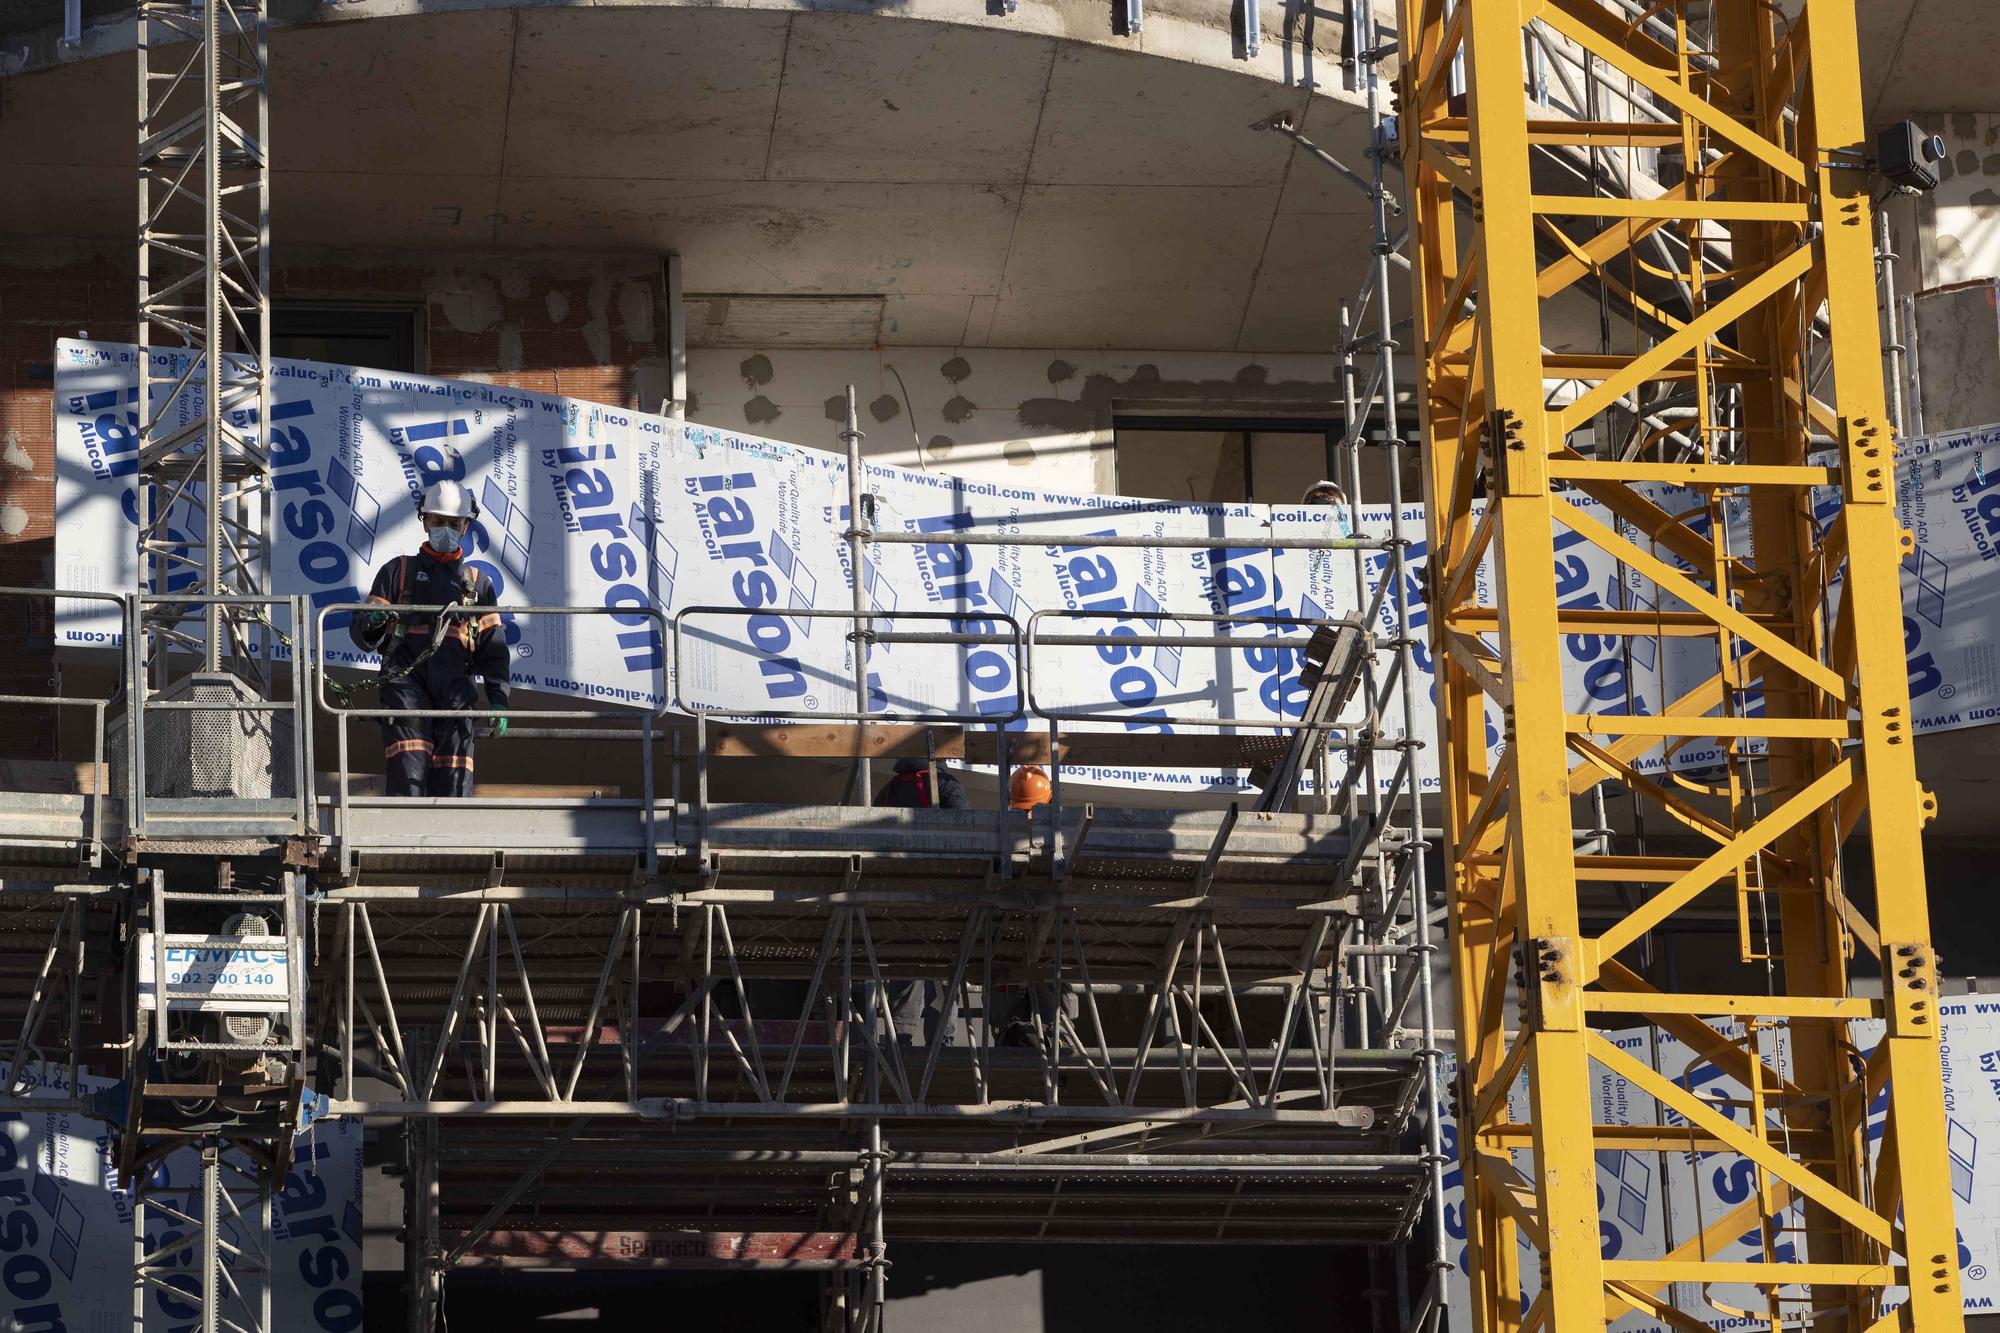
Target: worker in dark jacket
<point>429,660</point>
<point>910,789</point>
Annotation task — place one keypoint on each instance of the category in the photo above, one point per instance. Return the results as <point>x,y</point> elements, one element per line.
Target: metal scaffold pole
<point>1400,928</point>
<point>202,1245</point>
<point>204,320</point>
<point>1808,704</point>
<point>857,553</point>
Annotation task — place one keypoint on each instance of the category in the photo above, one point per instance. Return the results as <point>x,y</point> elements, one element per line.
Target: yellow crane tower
<point>1770,232</point>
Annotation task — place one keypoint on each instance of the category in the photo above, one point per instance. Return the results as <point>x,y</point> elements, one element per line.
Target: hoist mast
<point>1770,227</point>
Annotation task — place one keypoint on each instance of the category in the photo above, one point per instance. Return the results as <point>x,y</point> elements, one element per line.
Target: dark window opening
<point>378,337</point>
<point>1223,460</point>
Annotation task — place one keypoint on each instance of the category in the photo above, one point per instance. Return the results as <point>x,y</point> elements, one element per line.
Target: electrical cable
<point>909,410</point>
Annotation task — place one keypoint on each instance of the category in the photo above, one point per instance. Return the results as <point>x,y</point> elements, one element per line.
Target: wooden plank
<point>804,740</point>
<point>955,745</point>
<point>62,778</point>
<point>48,776</point>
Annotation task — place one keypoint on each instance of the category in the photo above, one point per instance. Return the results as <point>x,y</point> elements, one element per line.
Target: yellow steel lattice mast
<point>1734,285</point>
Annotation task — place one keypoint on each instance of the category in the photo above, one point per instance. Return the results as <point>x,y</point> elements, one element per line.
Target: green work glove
<point>497,727</point>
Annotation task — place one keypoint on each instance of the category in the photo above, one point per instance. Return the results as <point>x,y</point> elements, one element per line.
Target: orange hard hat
<point>1028,788</point>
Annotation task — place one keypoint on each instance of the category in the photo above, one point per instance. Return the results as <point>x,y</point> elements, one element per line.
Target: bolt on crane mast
<point>1766,114</point>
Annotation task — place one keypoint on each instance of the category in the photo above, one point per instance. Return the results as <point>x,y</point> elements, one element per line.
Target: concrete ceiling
<point>1928,55</point>
<point>994,187</point>
<point>1028,180</point>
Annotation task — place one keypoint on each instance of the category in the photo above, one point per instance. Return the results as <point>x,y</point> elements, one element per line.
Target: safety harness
<point>343,695</point>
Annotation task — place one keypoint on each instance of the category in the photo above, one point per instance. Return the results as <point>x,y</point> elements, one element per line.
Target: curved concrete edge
<point>1196,32</point>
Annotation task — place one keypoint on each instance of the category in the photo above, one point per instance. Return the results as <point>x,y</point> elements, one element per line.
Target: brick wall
<point>591,327</point>
<point>40,302</point>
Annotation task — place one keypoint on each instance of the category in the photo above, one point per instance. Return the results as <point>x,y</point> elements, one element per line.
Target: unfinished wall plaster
<point>1963,215</point>
<point>989,413</point>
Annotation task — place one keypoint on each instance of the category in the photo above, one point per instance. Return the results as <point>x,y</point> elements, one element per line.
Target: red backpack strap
<point>922,780</point>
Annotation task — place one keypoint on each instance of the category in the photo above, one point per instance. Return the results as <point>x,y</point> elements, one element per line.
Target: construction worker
<point>1330,494</point>
<point>1324,493</point>
<point>1028,788</point>
<point>910,788</point>
<point>429,660</point>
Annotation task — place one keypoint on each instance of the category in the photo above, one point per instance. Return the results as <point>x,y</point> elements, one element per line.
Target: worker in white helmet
<point>429,660</point>
<point>1330,494</point>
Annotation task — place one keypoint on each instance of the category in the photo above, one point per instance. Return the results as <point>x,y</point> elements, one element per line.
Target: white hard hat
<point>1319,486</point>
<point>452,499</point>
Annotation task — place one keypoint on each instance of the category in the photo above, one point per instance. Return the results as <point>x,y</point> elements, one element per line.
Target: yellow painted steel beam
<point>1542,871</point>
<point>1707,210</point>
<point>1587,366</point>
<point>1754,1274</point>
<point>1672,802</point>
<point>1680,724</point>
<point>1725,1052</point>
<point>1634,1296</point>
<point>1628,1138</point>
<point>1616,43</point>
<point>1714,1236</point>
<point>1574,620</point>
<point>1800,1177</point>
<point>1724,860</point>
<point>1895,802</point>
<point>1739,1006</point>
<point>1719,475</point>
<point>1612,869</point>
<point>1721,612</point>
<point>1513,1192</point>
<point>1768,121</point>
<point>1609,243</point>
<point>1752,292</point>
<point>1577,133</point>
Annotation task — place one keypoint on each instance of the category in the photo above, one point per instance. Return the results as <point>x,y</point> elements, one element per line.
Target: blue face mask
<point>444,540</point>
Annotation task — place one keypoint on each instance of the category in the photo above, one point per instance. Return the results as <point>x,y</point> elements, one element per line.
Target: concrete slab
<point>1161,316</point>
<point>1928,55</point>
<point>925,319</point>
<point>869,99</point>
<point>687,95</point>
<point>1311,186</point>
<point>354,209</point>
<point>1082,239</point>
<point>1881,24</point>
<point>1308,261</point>
<point>771,236</point>
<point>781,150</point>
<point>404,95</point>
<point>1117,118</point>
<point>54,118</point>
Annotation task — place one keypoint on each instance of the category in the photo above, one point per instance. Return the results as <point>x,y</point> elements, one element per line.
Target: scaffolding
<point>676,1030</point>
<point>673,1029</point>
